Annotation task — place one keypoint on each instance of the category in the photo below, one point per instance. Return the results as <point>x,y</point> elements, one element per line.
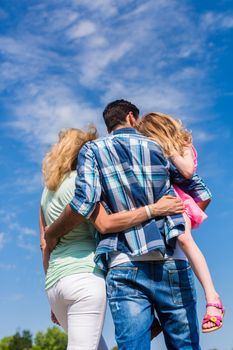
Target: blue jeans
<point>134,289</point>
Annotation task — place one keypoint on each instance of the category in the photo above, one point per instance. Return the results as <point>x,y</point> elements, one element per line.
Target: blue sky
<point>61,62</point>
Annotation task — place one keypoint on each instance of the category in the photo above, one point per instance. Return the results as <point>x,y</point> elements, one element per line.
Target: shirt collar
<point>125,131</point>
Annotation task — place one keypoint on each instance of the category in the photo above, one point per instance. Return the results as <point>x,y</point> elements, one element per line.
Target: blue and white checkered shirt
<point>126,170</point>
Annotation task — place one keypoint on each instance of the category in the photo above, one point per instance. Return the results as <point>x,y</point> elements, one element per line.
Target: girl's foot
<point>213,319</point>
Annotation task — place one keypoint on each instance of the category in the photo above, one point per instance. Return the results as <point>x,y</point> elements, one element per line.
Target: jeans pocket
<point>120,282</point>
<point>182,285</point>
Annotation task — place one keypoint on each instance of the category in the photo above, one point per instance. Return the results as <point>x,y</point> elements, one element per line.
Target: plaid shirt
<point>126,170</point>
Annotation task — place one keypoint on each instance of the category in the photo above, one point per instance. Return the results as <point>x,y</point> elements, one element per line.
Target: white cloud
<point>24,244</point>
<point>27,231</point>
<point>7,267</point>
<point>105,8</point>
<point>98,61</point>
<point>227,22</point>
<point>60,20</point>
<point>6,217</point>
<point>97,41</point>
<point>2,240</point>
<point>214,21</point>
<point>43,113</point>
<point>28,183</point>
<point>202,136</point>
<point>81,30</point>
<point>26,236</point>
<point>12,297</point>
<point>164,98</point>
<point>137,51</point>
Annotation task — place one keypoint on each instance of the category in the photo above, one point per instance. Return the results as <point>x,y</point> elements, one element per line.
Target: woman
<point>75,286</point>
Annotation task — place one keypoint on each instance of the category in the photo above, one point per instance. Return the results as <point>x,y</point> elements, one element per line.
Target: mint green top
<point>75,251</point>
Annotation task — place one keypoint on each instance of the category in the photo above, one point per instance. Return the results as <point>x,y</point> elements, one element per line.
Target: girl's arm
<point>185,163</point>
<point>43,245</point>
<point>203,204</point>
<point>104,223</point>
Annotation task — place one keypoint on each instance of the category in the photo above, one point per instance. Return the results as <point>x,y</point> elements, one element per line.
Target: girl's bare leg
<point>201,270</point>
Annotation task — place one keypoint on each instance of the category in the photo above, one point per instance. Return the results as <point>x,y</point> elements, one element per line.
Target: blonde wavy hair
<point>168,132</point>
<point>62,157</point>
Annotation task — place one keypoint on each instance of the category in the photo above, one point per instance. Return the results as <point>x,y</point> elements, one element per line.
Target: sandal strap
<point>217,305</point>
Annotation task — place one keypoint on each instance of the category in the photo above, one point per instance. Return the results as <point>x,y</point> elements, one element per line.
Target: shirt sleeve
<point>195,186</point>
<point>87,183</point>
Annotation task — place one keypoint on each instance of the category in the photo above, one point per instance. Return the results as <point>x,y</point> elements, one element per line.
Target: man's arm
<point>117,222</point>
<point>88,187</point>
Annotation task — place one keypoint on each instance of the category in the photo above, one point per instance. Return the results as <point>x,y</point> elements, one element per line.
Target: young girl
<point>177,145</point>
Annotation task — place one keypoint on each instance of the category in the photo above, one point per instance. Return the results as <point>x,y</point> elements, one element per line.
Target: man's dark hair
<point>115,113</point>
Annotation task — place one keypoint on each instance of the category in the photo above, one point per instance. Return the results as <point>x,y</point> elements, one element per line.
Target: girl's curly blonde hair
<point>62,157</point>
<point>168,132</point>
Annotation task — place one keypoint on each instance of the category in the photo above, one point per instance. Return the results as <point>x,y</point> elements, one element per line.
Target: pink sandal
<point>217,320</point>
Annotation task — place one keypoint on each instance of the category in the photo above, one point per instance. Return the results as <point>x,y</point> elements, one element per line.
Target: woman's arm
<point>45,253</point>
<point>185,163</point>
<point>104,223</point>
<point>60,227</point>
<point>43,245</point>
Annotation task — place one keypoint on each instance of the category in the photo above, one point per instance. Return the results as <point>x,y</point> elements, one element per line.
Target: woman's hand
<point>54,319</point>
<point>45,257</point>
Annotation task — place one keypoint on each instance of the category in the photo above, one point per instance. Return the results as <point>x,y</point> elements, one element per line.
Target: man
<point>126,170</point>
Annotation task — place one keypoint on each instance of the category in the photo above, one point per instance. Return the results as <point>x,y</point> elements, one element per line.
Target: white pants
<point>79,303</point>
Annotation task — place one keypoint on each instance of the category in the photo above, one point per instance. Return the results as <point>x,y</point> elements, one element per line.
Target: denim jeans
<point>134,289</point>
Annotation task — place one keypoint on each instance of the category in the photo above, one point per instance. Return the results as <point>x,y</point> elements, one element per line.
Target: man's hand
<point>167,205</point>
